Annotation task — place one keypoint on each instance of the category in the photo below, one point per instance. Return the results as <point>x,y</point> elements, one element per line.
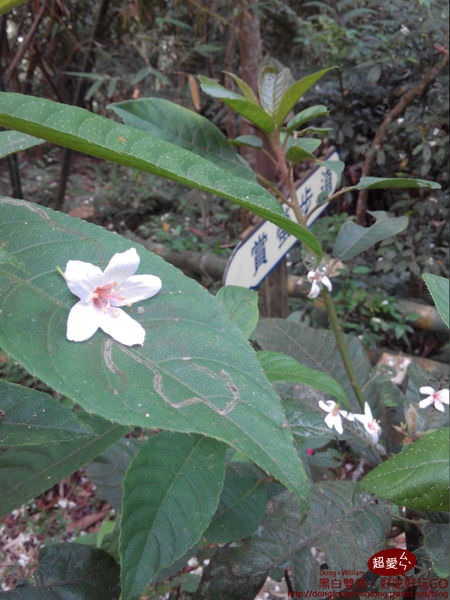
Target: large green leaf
<point>417,477</point>
<point>14,141</point>
<point>345,529</point>
<point>242,505</point>
<point>7,5</point>
<point>32,418</point>
<point>439,290</point>
<point>241,104</point>
<point>173,123</point>
<point>171,491</point>
<point>71,572</point>
<point>195,373</point>
<point>241,305</point>
<point>353,239</point>
<point>382,183</point>
<point>280,367</point>
<point>92,134</point>
<point>27,471</point>
<point>295,92</point>
<point>316,349</point>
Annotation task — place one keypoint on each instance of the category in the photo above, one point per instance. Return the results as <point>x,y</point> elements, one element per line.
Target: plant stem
<point>338,334</point>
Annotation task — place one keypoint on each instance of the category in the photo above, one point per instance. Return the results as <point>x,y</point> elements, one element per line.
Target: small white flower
<point>437,399</point>
<point>334,416</point>
<point>370,424</point>
<point>318,279</point>
<point>101,292</point>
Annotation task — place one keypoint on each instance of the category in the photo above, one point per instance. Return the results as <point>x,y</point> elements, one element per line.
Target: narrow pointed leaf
<point>244,87</point>
<point>280,367</point>
<point>241,104</point>
<point>32,418</point>
<point>439,290</point>
<point>295,92</point>
<point>195,372</point>
<point>318,110</point>
<point>252,141</point>
<point>76,128</point>
<point>417,477</point>
<point>14,141</point>
<point>353,239</point>
<point>382,183</point>
<point>302,149</point>
<point>173,123</point>
<point>171,491</point>
<point>241,305</point>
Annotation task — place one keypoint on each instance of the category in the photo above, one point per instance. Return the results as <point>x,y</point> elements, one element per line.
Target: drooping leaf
<point>14,141</point>
<point>27,471</point>
<point>171,491</point>
<point>345,529</point>
<point>32,418</point>
<point>273,81</point>
<point>241,104</point>
<point>293,94</point>
<point>382,183</point>
<point>241,508</point>
<point>316,349</point>
<point>439,290</point>
<point>302,149</point>
<point>280,367</point>
<point>108,469</point>
<point>86,132</point>
<point>353,239</point>
<point>71,571</point>
<point>195,372</point>
<point>417,477</point>
<point>241,306</point>
<point>318,110</point>
<point>436,539</point>
<point>173,123</point>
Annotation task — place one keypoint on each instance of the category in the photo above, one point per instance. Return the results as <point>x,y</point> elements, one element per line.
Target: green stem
<point>338,334</point>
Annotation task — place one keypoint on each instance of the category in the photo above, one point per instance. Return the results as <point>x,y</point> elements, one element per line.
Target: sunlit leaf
<point>377,183</point>
<point>318,110</point>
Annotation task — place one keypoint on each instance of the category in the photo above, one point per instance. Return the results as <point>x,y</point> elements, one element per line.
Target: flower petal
<point>82,278</point>
<point>328,405</point>
<point>439,406</point>
<point>315,290</point>
<point>137,288</point>
<point>82,322</point>
<point>426,389</point>
<point>122,327</point>
<point>444,396</point>
<point>327,283</point>
<point>121,266</point>
<point>426,402</point>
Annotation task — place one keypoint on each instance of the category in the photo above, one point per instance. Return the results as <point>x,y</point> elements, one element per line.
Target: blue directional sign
<point>256,256</point>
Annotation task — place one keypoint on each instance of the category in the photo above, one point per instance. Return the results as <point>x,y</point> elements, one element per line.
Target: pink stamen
<point>104,295</point>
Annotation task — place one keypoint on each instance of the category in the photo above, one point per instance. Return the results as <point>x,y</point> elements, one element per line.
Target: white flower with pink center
<point>370,424</point>
<point>318,280</point>
<point>437,399</point>
<point>335,414</point>
<point>102,292</point>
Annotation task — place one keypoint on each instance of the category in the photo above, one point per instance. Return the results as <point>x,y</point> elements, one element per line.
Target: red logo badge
<point>393,561</point>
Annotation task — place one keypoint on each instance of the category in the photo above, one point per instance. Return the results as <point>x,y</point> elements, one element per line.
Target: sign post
<point>256,256</point>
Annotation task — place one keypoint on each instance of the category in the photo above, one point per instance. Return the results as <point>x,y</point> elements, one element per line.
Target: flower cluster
<point>335,415</point>
<point>102,292</point>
